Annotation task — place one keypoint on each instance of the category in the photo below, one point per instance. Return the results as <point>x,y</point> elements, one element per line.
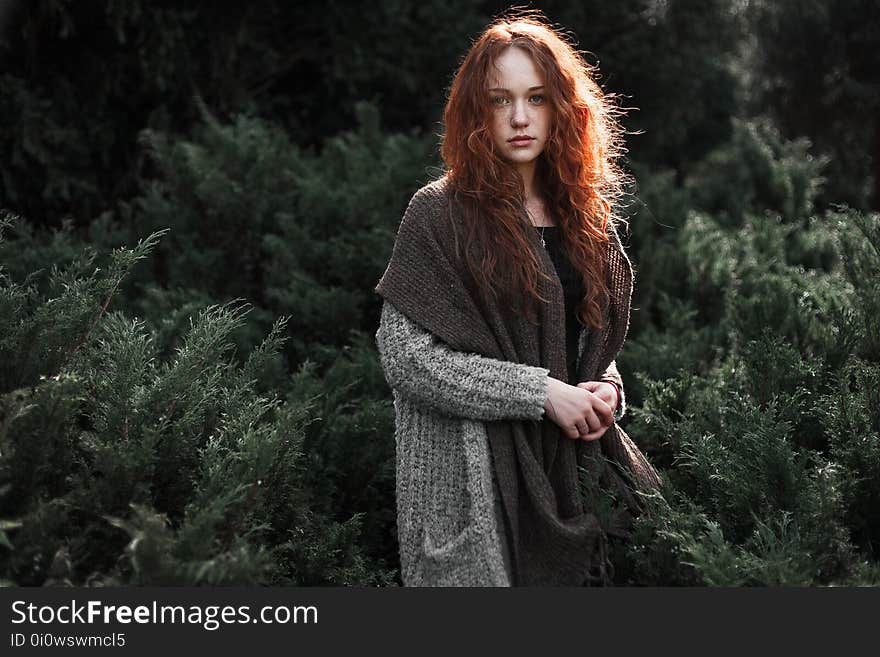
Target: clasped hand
<point>584,411</point>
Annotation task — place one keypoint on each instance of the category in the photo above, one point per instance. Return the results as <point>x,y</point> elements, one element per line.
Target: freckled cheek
<point>498,131</point>
<point>545,129</point>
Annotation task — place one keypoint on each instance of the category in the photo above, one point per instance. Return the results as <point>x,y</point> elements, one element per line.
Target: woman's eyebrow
<point>540,86</point>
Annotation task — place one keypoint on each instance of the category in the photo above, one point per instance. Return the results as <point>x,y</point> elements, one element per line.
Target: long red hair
<point>577,169</point>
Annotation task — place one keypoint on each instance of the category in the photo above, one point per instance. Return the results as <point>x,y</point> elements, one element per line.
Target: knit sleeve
<point>430,373</point>
<point>611,374</point>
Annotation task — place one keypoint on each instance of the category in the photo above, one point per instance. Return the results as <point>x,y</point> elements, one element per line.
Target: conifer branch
<point>125,260</point>
<point>194,370</point>
<point>85,336</point>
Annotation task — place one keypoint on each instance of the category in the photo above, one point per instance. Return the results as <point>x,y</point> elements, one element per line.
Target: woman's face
<point>520,119</point>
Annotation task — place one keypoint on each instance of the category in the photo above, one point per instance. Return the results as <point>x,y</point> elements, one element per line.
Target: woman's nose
<point>519,116</point>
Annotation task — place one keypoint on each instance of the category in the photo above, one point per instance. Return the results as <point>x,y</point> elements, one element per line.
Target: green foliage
<point>37,332</point>
<point>830,95</point>
<point>103,442</point>
<point>757,168</point>
<point>350,442</point>
<point>299,252</point>
<point>762,405</point>
<point>302,231</point>
<point>82,80</point>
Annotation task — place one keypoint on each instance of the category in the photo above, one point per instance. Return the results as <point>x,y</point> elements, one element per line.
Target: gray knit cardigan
<point>448,508</point>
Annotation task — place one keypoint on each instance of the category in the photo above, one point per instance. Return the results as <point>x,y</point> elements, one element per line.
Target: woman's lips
<point>521,141</point>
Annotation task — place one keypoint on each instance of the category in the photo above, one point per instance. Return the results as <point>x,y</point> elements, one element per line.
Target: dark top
<point>573,291</point>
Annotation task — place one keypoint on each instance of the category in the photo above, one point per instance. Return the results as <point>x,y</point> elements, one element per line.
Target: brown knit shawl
<point>554,539</point>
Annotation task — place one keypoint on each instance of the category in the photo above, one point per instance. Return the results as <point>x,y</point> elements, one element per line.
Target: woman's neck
<point>534,198</point>
<point>526,171</point>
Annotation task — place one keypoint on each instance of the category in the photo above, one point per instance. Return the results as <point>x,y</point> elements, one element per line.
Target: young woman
<point>506,300</point>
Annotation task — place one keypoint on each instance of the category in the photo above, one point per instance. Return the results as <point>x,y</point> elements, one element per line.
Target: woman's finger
<point>592,420</point>
<point>601,411</point>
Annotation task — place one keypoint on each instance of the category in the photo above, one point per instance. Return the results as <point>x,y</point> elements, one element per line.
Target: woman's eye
<point>537,99</point>
<point>499,100</point>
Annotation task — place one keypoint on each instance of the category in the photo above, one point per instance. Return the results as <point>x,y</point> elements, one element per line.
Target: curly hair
<point>578,168</point>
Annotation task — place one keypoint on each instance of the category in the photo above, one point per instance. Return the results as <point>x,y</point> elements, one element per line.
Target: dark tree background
<point>199,197</point>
